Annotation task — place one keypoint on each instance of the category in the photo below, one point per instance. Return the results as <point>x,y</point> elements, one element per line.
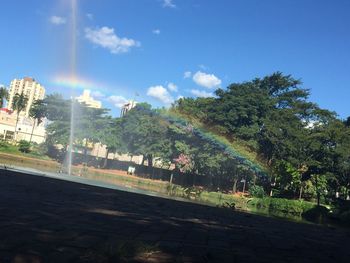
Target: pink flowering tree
<point>184,163</point>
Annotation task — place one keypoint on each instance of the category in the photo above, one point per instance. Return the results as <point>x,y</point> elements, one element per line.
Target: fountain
<point>73,61</point>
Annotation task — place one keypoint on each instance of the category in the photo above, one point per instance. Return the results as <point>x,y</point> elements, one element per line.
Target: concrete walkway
<point>47,220</point>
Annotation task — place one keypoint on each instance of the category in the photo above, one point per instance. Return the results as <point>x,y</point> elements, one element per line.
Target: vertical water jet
<point>73,61</point>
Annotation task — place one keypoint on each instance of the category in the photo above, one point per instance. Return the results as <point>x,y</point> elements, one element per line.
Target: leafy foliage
<point>257,191</point>
<point>24,146</point>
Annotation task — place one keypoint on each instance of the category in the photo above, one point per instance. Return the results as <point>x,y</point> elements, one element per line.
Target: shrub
<point>345,217</point>
<point>278,205</point>
<point>24,146</point>
<point>3,144</point>
<point>257,191</point>
<point>316,214</point>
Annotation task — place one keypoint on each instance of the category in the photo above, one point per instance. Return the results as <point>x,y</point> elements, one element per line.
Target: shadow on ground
<point>48,220</point>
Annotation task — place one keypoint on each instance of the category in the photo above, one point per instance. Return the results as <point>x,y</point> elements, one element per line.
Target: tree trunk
<point>150,165</point>
<point>106,159</point>
<point>15,134</point>
<point>244,185</point>
<point>31,135</point>
<point>234,188</point>
<point>143,160</point>
<point>85,151</point>
<point>272,185</point>
<point>300,191</point>
<point>150,160</point>
<point>317,191</point>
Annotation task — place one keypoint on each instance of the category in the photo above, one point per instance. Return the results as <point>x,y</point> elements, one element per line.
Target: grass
<point>13,149</point>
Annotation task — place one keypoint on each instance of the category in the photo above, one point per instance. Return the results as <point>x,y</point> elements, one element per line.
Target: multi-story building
<point>126,107</point>
<point>88,100</point>
<point>29,87</point>
<point>24,130</point>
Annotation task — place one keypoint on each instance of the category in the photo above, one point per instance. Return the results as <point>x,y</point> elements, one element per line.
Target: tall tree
<point>144,132</point>
<point>58,113</point>
<point>87,125</point>
<point>37,112</point>
<point>111,136</point>
<point>19,104</point>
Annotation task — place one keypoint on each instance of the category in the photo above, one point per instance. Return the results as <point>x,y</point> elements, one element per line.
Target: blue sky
<point>162,49</point>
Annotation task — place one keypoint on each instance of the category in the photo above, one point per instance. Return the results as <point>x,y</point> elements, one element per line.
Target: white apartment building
<point>29,87</point>
<point>88,100</point>
<point>126,107</point>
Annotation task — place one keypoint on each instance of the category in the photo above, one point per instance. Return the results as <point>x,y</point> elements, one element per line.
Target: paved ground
<point>48,220</point>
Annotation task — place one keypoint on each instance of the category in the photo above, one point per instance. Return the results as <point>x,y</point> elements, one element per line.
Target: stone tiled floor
<point>48,220</point>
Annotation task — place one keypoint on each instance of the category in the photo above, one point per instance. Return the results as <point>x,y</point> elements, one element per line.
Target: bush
<point>257,191</point>
<point>345,217</point>
<point>24,146</point>
<point>281,205</point>
<point>316,214</point>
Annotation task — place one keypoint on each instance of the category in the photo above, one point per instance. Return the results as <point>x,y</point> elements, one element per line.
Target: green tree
<point>111,136</point>
<point>88,123</point>
<point>347,122</point>
<point>58,113</point>
<point>144,133</point>
<point>19,104</point>
<point>37,112</point>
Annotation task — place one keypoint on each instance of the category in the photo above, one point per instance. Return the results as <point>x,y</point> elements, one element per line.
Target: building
<point>29,87</point>
<point>24,128</point>
<point>88,100</point>
<point>126,107</point>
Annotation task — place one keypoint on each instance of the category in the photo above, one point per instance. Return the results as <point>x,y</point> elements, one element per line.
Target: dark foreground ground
<point>48,220</point>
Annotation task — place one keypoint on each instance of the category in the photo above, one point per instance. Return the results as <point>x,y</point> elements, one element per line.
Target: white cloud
<point>160,93</point>
<point>97,94</point>
<point>187,74</point>
<point>156,31</point>
<point>201,93</point>
<point>206,80</point>
<point>179,97</point>
<point>168,3</point>
<point>57,20</point>
<point>117,101</point>
<point>172,87</point>
<point>106,38</point>
<point>90,16</point>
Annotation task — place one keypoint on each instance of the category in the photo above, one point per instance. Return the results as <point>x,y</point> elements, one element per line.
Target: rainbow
<point>77,83</point>
<point>220,143</point>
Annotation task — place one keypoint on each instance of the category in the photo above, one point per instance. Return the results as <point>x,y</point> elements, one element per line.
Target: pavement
<point>43,219</point>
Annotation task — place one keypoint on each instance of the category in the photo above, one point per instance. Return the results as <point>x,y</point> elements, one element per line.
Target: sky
<point>160,50</point>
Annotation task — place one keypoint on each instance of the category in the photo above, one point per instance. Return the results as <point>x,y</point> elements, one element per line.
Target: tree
<point>111,136</point>
<point>347,122</point>
<point>19,104</point>
<point>88,123</point>
<point>3,96</point>
<point>37,112</point>
<point>144,133</point>
<point>58,113</point>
